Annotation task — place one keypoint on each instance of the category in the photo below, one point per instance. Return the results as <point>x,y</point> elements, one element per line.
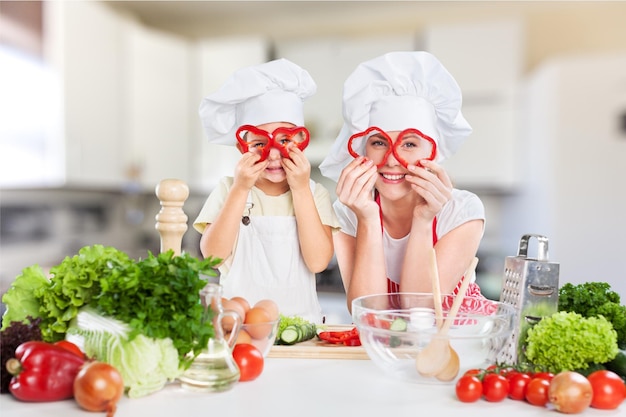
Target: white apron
<point>267,264</point>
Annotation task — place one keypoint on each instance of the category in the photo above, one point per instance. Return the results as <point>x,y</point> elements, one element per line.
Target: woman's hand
<point>355,184</point>
<point>248,171</point>
<point>297,169</point>
<point>433,184</point>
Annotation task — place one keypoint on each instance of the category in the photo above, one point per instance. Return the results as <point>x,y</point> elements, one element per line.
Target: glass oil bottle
<point>214,369</point>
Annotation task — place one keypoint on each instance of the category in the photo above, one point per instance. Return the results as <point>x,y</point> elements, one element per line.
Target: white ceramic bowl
<point>476,336</point>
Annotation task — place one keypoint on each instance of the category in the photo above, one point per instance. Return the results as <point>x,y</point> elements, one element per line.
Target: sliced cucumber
<point>398,325</point>
<point>290,335</point>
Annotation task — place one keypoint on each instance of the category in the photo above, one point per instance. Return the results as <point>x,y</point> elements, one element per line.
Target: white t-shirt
<point>263,205</point>
<point>462,207</point>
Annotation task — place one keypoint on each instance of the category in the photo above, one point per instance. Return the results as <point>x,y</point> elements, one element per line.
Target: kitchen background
<point>99,103</point>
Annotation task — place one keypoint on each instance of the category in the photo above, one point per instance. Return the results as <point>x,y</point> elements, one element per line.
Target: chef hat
<point>397,91</point>
<point>265,93</point>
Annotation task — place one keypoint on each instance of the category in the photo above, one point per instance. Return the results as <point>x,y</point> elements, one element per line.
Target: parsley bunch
<point>159,298</point>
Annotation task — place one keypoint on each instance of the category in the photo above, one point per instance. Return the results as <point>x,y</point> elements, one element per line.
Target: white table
<point>303,387</point>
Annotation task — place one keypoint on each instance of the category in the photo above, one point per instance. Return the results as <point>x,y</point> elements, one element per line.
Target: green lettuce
<point>567,341</point>
<point>20,298</point>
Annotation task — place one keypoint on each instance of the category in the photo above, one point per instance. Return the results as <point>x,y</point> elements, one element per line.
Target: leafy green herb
<point>159,299</point>
<point>593,299</point>
<point>569,341</point>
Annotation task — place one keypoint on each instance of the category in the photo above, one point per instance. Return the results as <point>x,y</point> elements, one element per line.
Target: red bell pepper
<point>43,372</point>
<point>346,337</point>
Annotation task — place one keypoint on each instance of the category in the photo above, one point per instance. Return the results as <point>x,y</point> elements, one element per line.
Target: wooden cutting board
<point>316,349</point>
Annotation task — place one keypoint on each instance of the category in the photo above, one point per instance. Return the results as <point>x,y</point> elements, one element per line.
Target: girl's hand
<point>248,171</point>
<point>433,184</point>
<point>297,168</point>
<point>355,184</point>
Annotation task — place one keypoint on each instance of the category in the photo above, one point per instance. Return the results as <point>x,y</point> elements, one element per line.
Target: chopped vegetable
<point>294,329</point>
<point>593,299</point>
<point>11,337</point>
<point>43,372</point>
<point>569,341</point>
<point>346,337</point>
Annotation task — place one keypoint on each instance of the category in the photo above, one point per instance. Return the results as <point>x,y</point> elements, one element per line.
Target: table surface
<point>305,387</point>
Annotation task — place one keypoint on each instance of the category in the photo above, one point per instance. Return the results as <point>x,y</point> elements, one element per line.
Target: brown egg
<point>230,305</point>
<point>243,337</point>
<point>257,323</point>
<point>243,302</point>
<point>271,307</point>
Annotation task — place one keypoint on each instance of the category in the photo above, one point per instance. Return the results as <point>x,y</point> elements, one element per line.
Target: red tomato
<point>517,386</point>
<point>609,391</point>
<point>250,361</point>
<point>495,387</point>
<point>67,345</point>
<point>537,391</point>
<point>473,372</point>
<point>544,375</point>
<point>469,389</point>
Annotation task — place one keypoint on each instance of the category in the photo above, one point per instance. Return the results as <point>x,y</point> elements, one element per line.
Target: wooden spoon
<point>451,370</point>
<point>435,357</point>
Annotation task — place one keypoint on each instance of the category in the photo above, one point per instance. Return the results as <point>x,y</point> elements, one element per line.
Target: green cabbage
<point>146,364</point>
<point>568,341</point>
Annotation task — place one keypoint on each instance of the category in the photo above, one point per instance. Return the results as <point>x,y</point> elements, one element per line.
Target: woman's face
<point>410,148</point>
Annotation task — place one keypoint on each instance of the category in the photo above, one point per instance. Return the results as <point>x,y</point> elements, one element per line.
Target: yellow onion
<point>570,392</point>
<point>98,387</point>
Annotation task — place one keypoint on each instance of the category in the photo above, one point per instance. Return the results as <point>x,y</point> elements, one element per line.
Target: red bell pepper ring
<point>43,372</point>
<point>346,337</point>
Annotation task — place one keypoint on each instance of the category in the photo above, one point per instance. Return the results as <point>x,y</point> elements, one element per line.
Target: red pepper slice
<point>43,372</point>
<point>346,337</point>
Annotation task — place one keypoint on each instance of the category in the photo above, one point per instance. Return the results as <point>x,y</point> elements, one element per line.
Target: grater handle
<point>542,246</point>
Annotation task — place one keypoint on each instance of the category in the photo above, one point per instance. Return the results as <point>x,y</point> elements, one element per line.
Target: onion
<point>98,387</point>
<point>570,392</point>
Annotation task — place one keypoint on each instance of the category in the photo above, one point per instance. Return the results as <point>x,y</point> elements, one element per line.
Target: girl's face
<point>274,171</point>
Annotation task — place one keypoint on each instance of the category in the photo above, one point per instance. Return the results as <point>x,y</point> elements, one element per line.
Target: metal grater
<point>531,286</point>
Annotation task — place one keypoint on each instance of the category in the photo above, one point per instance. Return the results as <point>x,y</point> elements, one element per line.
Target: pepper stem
<point>14,366</point>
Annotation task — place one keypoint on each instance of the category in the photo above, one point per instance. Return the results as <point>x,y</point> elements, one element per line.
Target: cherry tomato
<point>473,372</point>
<point>537,391</point>
<point>544,375</point>
<point>67,345</point>
<point>517,386</point>
<point>495,387</point>
<point>250,361</point>
<point>469,389</point>
<point>609,391</point>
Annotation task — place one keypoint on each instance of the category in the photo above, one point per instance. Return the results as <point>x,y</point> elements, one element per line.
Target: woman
<point>395,202</point>
<point>270,223</point>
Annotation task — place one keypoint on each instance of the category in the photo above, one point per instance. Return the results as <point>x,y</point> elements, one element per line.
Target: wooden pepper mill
<point>171,221</point>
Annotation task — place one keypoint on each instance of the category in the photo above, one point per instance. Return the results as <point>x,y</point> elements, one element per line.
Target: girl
<point>270,223</point>
<point>395,202</point>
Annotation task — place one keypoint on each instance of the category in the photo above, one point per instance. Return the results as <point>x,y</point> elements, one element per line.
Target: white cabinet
<point>486,59</point>
<point>125,97</point>
<point>157,121</point>
<point>83,42</point>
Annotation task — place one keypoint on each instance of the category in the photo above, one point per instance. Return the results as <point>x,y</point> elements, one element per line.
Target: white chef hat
<point>265,93</point>
<point>397,91</point>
